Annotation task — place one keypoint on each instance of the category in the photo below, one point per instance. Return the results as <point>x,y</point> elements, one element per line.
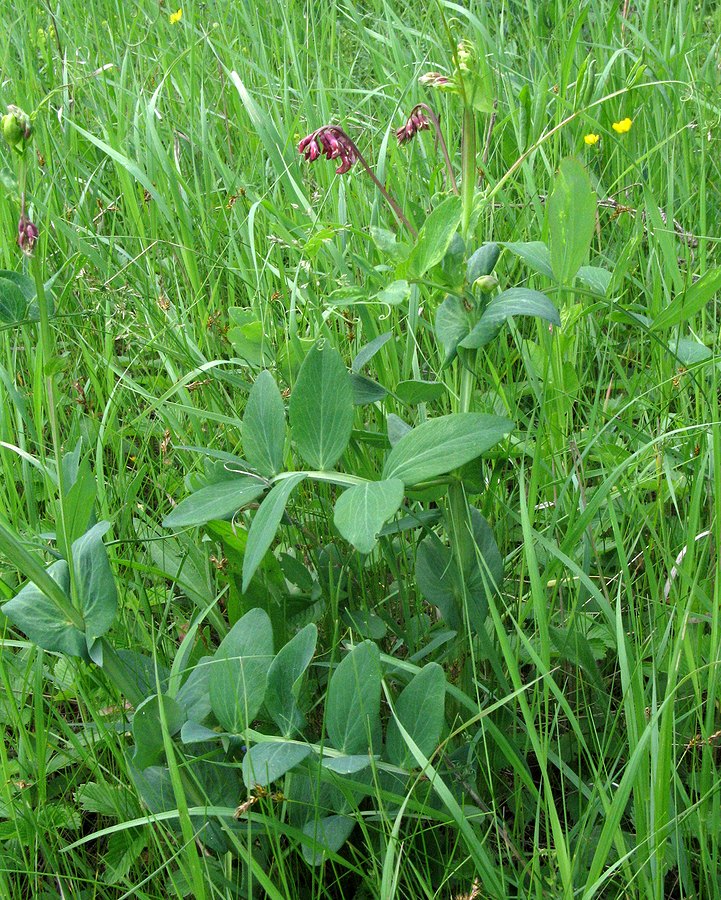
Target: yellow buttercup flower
<point>623,126</point>
<point>591,139</point>
<point>176,17</point>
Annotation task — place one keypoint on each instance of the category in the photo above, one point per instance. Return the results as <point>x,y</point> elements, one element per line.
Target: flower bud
<point>17,128</point>
<point>486,283</point>
<point>27,235</point>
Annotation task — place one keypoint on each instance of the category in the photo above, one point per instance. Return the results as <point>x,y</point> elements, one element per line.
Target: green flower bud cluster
<point>17,128</point>
<point>470,78</point>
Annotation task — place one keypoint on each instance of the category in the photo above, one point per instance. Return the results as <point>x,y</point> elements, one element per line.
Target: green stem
<point>468,169</point>
<point>47,352</point>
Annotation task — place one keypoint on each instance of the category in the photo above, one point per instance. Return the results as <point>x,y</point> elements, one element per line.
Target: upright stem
<point>47,352</point>
<point>458,511</point>
<point>391,200</point>
<point>468,193</point>
<point>441,142</point>
<point>468,169</point>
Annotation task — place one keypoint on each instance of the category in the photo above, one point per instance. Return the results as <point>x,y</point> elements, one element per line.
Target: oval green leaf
<point>440,445</point>
<point>363,509</point>
<point>321,407</point>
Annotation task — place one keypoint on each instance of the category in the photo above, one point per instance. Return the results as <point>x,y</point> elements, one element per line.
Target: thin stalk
<point>441,143</point>
<point>391,200</point>
<point>468,169</point>
<point>47,350</point>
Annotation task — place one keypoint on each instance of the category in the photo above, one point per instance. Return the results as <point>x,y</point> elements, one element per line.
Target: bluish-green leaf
<point>689,351</point>
<point>353,701</point>
<point>460,596</point>
<point>13,305</point>
<point>439,445</point>
<point>421,710</point>
<point>265,524</point>
<point>94,582</point>
<point>513,302</point>
<point>571,212</point>
<point>267,762</point>
<point>396,293</point>
<point>321,407</point>
<point>216,501</point>
<point>366,353</point>
<point>363,509</point>
<point>365,390</point>
<point>452,325</point>
<point>148,730</point>
<point>264,426</point>
<point>596,278</point>
<point>434,237</point>
<point>239,670</point>
<point>482,261</point>
<point>346,765</point>
<point>534,254</point>
<point>415,391</point>
<point>39,618</point>
<point>328,836</point>
<point>285,678</point>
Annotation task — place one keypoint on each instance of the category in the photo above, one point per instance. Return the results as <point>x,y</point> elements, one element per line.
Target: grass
<point>583,725</point>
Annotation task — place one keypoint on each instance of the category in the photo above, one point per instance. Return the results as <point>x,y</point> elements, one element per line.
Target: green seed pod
<point>637,73</point>
<point>585,83</point>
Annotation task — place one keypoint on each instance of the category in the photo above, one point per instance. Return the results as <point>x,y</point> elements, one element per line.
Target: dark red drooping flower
<point>416,122</point>
<point>332,142</point>
<point>27,235</point>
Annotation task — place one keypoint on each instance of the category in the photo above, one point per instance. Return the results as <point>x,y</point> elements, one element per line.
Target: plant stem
<point>468,169</point>
<point>394,203</point>
<point>47,352</point>
<point>441,142</point>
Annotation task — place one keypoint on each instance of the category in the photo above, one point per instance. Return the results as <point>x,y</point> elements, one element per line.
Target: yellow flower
<point>591,139</point>
<point>177,16</point>
<point>623,126</point>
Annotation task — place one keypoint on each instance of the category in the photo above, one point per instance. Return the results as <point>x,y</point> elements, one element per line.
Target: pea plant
<point>271,727</point>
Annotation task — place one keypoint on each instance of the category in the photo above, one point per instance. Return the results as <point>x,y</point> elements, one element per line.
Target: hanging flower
<point>591,139</point>
<point>176,17</point>
<point>332,142</point>
<point>27,235</point>
<point>623,126</point>
<point>416,122</point>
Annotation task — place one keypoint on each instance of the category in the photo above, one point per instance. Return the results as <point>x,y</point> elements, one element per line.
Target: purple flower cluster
<point>334,143</point>
<point>27,235</point>
<point>416,122</point>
